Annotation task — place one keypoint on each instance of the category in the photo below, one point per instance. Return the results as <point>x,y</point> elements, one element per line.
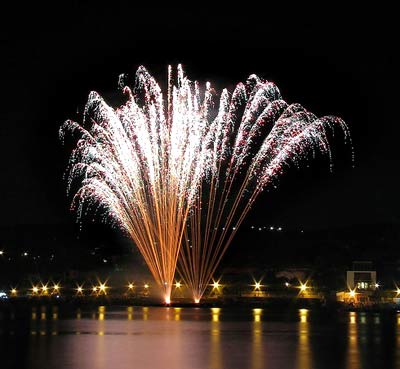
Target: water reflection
<point>177,312</point>
<point>145,311</point>
<point>197,338</point>
<point>304,354</point>
<point>353,353</point>
<point>215,341</point>
<point>129,310</point>
<point>257,343</point>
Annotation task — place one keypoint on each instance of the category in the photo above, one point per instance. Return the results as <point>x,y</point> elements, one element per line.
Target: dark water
<point>197,338</point>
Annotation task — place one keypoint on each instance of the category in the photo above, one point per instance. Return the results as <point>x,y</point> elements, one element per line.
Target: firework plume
<point>179,175</point>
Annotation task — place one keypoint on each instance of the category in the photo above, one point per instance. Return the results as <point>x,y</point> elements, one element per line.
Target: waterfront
<point>191,338</point>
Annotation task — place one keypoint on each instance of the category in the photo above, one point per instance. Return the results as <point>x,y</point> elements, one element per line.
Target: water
<point>197,338</point>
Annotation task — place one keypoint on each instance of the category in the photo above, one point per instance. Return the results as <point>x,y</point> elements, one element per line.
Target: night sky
<point>338,61</point>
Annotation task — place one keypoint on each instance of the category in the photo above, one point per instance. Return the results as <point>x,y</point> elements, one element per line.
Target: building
<point>362,276</point>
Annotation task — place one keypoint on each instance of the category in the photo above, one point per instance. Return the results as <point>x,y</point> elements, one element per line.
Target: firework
<point>178,176</point>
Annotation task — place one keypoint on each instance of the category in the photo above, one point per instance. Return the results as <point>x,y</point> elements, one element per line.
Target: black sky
<point>337,60</point>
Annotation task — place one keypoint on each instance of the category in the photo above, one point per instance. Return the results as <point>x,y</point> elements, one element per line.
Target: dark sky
<point>337,60</point>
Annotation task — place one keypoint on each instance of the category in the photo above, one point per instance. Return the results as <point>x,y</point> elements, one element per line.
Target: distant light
<point>104,260</point>
<point>79,289</point>
<point>216,284</point>
<point>352,293</point>
<point>178,284</point>
<point>35,289</point>
<point>303,287</point>
<point>146,286</point>
<point>398,291</point>
<point>271,228</point>
<point>196,301</point>
<point>376,285</point>
<point>94,289</point>
<point>130,286</point>
<point>1,252</point>
<point>44,288</point>
<point>280,228</point>
<point>25,254</point>
<point>287,284</point>
<point>14,291</point>
<point>56,287</point>
<point>102,287</point>
<point>257,286</point>
<point>167,300</point>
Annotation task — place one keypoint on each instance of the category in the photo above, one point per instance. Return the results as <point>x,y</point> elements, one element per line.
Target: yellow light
<point>216,284</point>
<point>303,287</point>
<point>79,289</point>
<point>257,286</point>
<point>196,301</point>
<point>1,252</point>
<point>56,287</point>
<point>35,289</point>
<point>146,286</point>
<point>178,284</point>
<point>398,291</point>
<point>102,287</point>
<point>95,289</point>
<point>167,300</point>
<point>130,286</point>
<point>352,293</point>
<point>13,291</point>
<point>303,315</point>
<point>44,288</point>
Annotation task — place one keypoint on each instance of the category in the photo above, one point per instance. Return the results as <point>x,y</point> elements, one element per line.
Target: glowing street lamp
<point>14,291</point>
<point>303,287</point>
<point>216,285</point>
<point>103,288</point>
<point>131,286</point>
<point>352,293</point>
<point>35,289</point>
<point>178,285</point>
<point>56,288</point>
<point>146,286</point>
<point>79,290</point>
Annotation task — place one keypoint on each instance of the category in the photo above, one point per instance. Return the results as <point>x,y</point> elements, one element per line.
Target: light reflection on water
<point>197,338</point>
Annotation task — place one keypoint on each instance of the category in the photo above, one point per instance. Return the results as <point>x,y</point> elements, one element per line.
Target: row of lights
<point>101,288</point>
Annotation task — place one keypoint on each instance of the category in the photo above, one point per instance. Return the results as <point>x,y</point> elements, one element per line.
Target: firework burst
<point>179,175</point>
